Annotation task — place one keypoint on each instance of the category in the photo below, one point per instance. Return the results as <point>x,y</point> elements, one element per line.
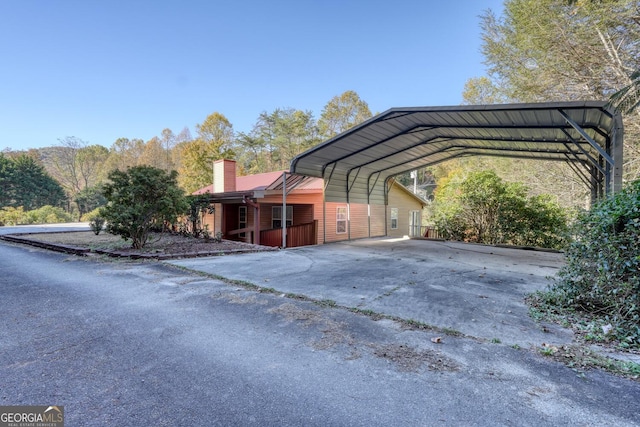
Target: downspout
<point>324,217</point>
<point>348,210</point>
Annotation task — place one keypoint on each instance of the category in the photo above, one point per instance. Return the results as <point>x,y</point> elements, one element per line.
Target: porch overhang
<point>232,197</point>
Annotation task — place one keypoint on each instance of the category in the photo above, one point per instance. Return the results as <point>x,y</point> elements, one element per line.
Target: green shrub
<point>44,215</point>
<point>601,280</point>
<point>97,224</point>
<point>480,207</point>
<point>12,216</point>
<point>48,215</point>
<point>191,223</point>
<point>89,216</point>
<point>139,199</point>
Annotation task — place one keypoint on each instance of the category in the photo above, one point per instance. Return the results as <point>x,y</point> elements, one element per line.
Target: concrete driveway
<point>474,289</point>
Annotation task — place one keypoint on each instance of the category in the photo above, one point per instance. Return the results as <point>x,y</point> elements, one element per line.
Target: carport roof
<point>357,164</point>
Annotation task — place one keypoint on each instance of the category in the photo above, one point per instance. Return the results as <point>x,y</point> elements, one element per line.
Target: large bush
<point>601,280</point>
<point>12,216</point>
<point>139,199</point>
<point>480,207</point>
<point>48,215</point>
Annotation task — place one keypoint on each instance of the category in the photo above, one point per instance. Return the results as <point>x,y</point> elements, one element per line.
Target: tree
<point>197,165</point>
<point>559,50</point>
<point>342,113</point>
<point>168,142</point>
<point>7,181</point>
<point>89,199</point>
<point>139,199</point>
<point>276,139</point>
<point>125,153</point>
<point>24,182</point>
<point>214,142</point>
<point>153,154</point>
<point>77,165</point>
<point>480,207</point>
<point>252,154</point>
<point>481,90</point>
<point>181,140</point>
<point>627,99</point>
<point>217,132</point>
<point>286,133</point>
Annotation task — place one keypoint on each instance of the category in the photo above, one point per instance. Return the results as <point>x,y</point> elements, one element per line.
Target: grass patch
<point>369,313</point>
<point>588,329</point>
<point>326,303</point>
<point>581,359</point>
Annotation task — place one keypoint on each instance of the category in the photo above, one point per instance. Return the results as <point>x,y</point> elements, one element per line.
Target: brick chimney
<point>224,176</point>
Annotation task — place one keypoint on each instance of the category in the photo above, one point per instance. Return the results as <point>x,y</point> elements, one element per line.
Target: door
<point>414,223</point>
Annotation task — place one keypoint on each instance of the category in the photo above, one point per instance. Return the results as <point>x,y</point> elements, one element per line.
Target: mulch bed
<point>159,246</point>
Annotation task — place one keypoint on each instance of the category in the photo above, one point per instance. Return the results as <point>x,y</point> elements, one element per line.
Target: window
<point>276,216</point>
<point>394,218</point>
<point>242,219</point>
<point>341,219</point>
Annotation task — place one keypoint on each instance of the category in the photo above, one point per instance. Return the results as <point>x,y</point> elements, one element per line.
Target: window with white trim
<point>394,218</point>
<point>341,219</point>
<point>276,216</point>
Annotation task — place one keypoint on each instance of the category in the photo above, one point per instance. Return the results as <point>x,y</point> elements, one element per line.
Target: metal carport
<point>358,164</point>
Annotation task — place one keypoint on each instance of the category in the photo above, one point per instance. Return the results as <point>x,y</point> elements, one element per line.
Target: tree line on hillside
<point>81,168</point>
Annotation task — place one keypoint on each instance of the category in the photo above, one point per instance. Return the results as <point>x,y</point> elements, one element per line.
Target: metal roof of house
<point>358,164</point>
<point>268,181</point>
<point>258,181</point>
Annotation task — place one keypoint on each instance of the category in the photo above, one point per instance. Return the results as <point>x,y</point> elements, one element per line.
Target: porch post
<point>256,218</point>
<point>283,217</point>
<point>256,224</point>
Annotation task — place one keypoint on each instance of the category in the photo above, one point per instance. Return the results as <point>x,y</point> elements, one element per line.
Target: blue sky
<point>100,70</point>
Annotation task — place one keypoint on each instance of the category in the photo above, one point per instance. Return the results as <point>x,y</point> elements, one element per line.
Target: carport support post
<point>594,185</point>
<point>283,216</point>
<point>617,140</point>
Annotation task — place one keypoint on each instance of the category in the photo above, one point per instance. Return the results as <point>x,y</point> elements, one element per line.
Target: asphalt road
<point>133,344</point>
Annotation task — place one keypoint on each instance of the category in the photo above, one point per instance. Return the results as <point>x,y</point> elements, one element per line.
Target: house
<point>250,208</point>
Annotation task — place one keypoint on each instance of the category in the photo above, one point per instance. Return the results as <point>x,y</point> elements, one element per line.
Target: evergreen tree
<point>25,183</point>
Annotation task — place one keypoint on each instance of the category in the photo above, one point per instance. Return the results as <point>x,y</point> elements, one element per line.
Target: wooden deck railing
<point>297,235</point>
<point>430,232</point>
